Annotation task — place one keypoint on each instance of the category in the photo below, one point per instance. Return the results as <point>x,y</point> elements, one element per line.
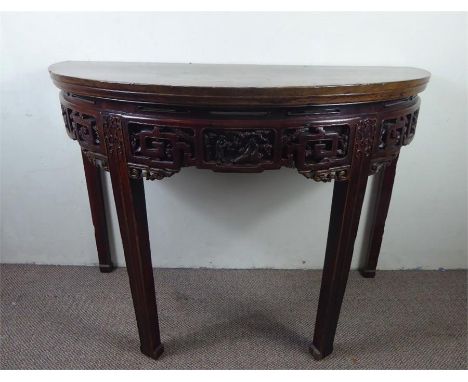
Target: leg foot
<point>317,354</point>
<point>367,273</point>
<point>156,353</point>
<point>106,268</point>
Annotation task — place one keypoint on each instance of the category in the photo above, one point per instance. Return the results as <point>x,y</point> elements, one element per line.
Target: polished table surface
<point>213,84</point>
<point>150,120</point>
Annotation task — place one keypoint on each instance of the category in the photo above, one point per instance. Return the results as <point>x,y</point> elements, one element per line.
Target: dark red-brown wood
<point>344,221</point>
<point>152,120</point>
<point>129,196</point>
<point>98,213</point>
<point>383,190</point>
<point>237,85</point>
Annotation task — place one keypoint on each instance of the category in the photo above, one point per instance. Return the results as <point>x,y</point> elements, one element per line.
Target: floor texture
<point>56,317</point>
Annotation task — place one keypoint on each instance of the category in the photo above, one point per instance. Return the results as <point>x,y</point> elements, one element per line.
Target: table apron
<point>319,141</point>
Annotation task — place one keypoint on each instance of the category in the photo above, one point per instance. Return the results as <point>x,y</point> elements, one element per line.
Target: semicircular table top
<point>237,85</point>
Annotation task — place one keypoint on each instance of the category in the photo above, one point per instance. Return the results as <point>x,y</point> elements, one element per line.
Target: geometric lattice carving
<point>329,146</point>
<point>396,132</point>
<point>312,146</point>
<point>391,133</point>
<point>161,146</point>
<point>411,129</point>
<point>81,127</point>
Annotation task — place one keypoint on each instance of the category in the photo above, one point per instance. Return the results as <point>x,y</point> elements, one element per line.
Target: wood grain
<point>237,85</point>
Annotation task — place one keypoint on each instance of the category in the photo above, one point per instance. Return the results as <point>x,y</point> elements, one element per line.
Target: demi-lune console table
<point>148,120</point>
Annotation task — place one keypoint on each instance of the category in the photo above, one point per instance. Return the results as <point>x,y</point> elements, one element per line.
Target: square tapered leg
<point>381,202</point>
<point>98,213</point>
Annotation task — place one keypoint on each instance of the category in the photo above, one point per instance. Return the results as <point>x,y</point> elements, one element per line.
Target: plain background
<point>276,219</point>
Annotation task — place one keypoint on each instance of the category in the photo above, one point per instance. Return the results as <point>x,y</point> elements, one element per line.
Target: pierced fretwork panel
<point>247,147</point>
<point>161,146</point>
<point>396,132</point>
<point>411,130</point>
<point>81,127</point>
<point>314,146</point>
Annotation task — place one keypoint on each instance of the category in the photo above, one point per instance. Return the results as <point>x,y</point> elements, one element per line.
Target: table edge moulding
<point>149,120</point>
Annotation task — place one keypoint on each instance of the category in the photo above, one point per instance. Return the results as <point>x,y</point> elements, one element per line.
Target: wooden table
<point>142,120</point>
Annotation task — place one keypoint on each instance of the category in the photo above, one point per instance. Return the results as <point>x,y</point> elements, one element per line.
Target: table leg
<point>98,213</point>
<point>347,200</point>
<point>381,201</point>
<point>129,195</point>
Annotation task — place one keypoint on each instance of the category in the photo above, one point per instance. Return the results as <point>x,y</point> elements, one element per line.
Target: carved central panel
<point>227,147</point>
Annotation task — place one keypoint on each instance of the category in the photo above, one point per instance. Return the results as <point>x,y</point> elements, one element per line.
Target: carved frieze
<point>321,143</point>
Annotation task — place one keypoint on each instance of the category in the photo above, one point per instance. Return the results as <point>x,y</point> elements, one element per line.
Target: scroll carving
<point>145,172</point>
<point>97,159</point>
<point>327,175</point>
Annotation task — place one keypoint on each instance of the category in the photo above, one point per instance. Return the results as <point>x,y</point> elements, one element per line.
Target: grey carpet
<point>56,317</point>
